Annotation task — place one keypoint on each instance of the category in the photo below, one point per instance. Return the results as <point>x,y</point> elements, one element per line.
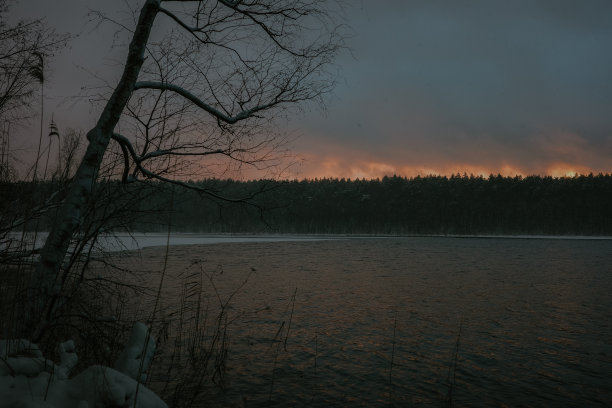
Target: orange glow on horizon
<point>334,167</point>
<point>553,152</point>
<point>320,159</point>
<point>339,167</point>
<point>568,170</point>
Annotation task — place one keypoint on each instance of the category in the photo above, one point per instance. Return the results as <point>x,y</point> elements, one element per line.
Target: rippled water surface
<point>411,321</point>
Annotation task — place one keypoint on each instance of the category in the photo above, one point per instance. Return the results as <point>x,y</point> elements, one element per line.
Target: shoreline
<point>147,240</point>
<point>129,242</point>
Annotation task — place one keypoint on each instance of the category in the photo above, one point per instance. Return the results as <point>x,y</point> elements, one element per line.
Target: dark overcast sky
<point>476,86</point>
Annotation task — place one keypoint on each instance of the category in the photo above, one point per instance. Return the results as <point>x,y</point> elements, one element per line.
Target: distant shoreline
<point>130,242</point>
<point>148,240</point>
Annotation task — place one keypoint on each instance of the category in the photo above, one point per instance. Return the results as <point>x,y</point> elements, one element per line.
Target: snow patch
<point>135,359</point>
<point>28,380</point>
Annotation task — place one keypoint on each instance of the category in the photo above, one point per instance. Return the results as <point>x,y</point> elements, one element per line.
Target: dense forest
<point>580,205</point>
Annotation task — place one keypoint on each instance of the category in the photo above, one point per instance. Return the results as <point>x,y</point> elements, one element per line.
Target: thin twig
<point>290,318</point>
<point>452,371</point>
<point>393,348</point>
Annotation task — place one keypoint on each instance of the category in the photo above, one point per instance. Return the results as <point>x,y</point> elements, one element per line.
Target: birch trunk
<point>47,278</point>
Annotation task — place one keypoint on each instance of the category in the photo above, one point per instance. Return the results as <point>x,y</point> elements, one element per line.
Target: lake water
<point>410,321</point>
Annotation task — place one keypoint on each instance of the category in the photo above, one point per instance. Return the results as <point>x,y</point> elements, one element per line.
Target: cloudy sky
<point>474,86</point>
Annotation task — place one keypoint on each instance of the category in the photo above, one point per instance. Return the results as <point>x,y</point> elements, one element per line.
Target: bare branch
<point>23,48</point>
<point>242,62</point>
<point>202,105</point>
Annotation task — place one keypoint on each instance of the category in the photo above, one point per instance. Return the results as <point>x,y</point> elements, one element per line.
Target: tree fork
<point>46,278</point>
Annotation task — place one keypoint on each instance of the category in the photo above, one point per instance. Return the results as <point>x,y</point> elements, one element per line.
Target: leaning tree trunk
<point>47,279</point>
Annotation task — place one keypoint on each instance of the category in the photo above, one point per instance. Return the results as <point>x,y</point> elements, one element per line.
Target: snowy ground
<point>29,380</point>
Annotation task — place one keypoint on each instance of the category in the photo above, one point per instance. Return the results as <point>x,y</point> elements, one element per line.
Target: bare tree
<point>207,89</point>
<point>24,47</point>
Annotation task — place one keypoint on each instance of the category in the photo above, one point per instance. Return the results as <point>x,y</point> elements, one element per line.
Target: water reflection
<point>376,322</point>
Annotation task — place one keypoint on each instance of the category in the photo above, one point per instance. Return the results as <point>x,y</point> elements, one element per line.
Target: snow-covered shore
<point>142,240</point>
<point>130,242</point>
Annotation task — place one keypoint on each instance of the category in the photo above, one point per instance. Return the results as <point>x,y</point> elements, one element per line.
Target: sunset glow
<point>334,167</point>
<point>349,162</point>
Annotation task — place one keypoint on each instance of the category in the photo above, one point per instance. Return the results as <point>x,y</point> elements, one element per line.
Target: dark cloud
<point>480,82</point>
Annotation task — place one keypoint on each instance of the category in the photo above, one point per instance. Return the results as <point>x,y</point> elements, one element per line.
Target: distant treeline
<point>398,205</point>
<point>580,205</point>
